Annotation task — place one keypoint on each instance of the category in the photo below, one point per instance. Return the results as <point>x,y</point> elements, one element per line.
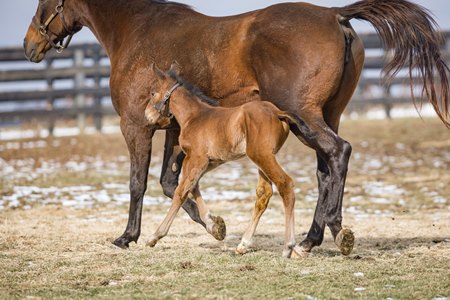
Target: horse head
<point>53,22</point>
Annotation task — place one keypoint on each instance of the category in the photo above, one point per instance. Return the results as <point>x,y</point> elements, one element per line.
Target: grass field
<point>63,200</point>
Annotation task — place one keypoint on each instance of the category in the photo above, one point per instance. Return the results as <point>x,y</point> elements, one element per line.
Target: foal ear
<point>175,68</point>
<point>157,71</point>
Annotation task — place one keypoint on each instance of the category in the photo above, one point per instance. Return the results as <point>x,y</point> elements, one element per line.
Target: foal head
<point>53,22</point>
<point>157,111</point>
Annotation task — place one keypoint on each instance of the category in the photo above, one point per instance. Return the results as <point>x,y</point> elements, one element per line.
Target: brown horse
<point>306,59</point>
<point>211,136</point>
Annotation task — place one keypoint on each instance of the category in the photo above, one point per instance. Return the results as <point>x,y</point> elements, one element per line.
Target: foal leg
<point>215,225</point>
<point>139,142</point>
<point>171,169</point>
<point>285,185</point>
<point>193,169</point>
<point>263,193</point>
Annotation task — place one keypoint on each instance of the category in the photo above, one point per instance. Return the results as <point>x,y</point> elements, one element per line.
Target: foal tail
<point>409,30</point>
<point>297,126</point>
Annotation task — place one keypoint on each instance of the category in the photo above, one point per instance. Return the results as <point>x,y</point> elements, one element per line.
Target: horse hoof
<point>219,229</point>
<point>122,243</point>
<point>345,241</point>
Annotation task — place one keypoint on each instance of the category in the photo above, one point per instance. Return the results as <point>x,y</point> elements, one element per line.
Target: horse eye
<point>153,94</point>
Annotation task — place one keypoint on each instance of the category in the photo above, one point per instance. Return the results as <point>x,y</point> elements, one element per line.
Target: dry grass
<point>396,201</point>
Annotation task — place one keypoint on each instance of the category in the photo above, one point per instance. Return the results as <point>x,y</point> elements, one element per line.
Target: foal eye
<point>153,94</point>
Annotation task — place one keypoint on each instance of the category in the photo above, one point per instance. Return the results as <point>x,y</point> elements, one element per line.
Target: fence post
<point>98,114</point>
<point>387,101</point>
<point>79,85</point>
<point>50,99</point>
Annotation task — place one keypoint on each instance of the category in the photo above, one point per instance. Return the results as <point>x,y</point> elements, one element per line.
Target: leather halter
<point>45,32</point>
<point>163,106</point>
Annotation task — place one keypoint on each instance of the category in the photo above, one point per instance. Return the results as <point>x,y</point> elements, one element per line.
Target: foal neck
<point>185,106</point>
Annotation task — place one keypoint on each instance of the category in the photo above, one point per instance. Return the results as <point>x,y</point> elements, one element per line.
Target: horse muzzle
<point>35,51</point>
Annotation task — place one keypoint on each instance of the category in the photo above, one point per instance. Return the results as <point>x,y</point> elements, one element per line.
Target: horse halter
<point>44,31</point>
<point>162,107</point>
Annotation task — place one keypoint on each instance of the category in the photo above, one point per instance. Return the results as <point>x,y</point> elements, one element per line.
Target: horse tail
<point>297,125</point>
<point>409,30</point>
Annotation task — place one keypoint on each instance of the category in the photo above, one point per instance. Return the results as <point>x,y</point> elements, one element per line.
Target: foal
<point>211,136</point>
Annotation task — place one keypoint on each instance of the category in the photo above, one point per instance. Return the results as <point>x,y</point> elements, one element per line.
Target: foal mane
<point>192,89</point>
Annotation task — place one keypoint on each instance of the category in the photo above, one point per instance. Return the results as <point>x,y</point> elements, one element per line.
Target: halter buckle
<point>59,8</point>
<point>43,30</point>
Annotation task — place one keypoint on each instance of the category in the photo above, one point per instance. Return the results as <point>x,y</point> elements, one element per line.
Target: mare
<point>306,59</point>
<point>211,136</point>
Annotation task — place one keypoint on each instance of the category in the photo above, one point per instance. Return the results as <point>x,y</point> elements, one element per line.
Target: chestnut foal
<point>211,136</point>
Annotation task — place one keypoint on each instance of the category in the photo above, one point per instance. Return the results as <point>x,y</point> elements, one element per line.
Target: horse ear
<point>175,67</point>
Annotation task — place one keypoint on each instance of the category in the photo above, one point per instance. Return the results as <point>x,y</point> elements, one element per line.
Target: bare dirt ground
<point>63,200</point>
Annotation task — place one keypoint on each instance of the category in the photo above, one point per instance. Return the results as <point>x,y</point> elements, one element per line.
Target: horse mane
<point>192,89</point>
<point>172,3</point>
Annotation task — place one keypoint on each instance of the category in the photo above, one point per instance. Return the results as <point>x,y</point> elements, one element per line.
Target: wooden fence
<point>74,84</point>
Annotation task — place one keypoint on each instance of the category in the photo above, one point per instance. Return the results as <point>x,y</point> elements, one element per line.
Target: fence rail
<point>74,84</point>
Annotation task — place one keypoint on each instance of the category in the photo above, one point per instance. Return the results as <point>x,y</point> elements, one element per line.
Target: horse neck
<point>185,106</point>
<point>110,21</point>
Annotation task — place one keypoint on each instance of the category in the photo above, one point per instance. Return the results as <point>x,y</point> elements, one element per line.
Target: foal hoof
<point>345,240</point>
<point>152,242</point>
<point>241,249</point>
<point>300,252</point>
<point>296,252</point>
<point>218,230</point>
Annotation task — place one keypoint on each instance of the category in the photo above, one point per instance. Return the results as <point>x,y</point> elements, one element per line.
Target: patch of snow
<point>356,199</point>
<point>380,189</point>
<point>373,164</point>
<point>212,194</point>
<point>121,198</point>
<point>16,134</point>
<point>380,201</point>
<point>115,186</point>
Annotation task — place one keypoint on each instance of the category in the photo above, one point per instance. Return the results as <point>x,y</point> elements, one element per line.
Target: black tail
<point>409,30</point>
<point>297,126</point>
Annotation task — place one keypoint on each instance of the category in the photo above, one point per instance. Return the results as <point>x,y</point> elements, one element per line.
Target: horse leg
<point>332,112</point>
<point>171,169</point>
<point>215,225</point>
<point>193,169</point>
<point>317,230</point>
<point>263,193</point>
<point>343,237</point>
<point>333,155</point>
<point>139,142</point>
<point>285,185</point>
